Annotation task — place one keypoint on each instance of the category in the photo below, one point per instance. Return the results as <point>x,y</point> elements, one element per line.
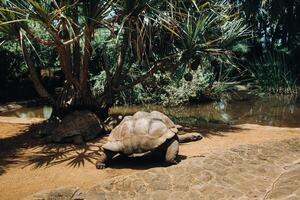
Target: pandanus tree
<point>156,35</point>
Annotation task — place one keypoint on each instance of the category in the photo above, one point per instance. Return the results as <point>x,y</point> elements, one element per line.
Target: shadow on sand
<point>71,155</point>
<point>28,149</point>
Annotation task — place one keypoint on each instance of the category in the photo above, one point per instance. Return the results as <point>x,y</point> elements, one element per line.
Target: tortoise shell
<point>141,133</point>
<point>84,123</point>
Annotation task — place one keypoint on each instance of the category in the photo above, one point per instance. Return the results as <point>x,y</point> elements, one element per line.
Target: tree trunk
<point>121,59</point>
<point>40,89</point>
<point>84,86</point>
<point>70,99</point>
<point>76,45</point>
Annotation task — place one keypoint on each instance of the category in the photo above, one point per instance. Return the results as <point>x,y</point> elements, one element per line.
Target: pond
<point>273,111</point>
<point>29,112</point>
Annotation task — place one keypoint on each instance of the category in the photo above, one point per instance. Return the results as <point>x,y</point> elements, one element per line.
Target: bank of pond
<point>282,111</point>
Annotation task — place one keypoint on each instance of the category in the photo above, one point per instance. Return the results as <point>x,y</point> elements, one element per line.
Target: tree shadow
<point>2,171</point>
<point>29,148</point>
<point>11,147</point>
<point>72,155</point>
<point>43,154</point>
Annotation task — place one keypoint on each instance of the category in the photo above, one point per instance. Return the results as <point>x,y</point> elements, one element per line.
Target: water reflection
<point>30,112</point>
<point>273,111</point>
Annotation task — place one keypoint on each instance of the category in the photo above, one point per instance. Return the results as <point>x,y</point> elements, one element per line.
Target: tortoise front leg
<point>172,151</point>
<point>104,159</point>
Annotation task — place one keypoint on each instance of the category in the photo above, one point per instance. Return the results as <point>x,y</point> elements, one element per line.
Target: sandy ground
<point>28,165</point>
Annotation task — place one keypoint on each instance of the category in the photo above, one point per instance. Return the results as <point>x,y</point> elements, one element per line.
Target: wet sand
<point>28,165</point>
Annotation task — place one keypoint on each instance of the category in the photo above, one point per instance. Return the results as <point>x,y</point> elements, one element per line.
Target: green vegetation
<point>273,56</point>
<point>172,89</point>
<point>273,74</point>
<point>8,69</point>
<point>102,53</point>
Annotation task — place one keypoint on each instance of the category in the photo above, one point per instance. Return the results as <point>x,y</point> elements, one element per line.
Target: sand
<point>28,165</point>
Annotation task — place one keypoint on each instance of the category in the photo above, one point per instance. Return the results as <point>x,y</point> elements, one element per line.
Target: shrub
<point>273,74</point>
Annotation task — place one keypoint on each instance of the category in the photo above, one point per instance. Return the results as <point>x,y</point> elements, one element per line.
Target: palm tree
<point>157,35</point>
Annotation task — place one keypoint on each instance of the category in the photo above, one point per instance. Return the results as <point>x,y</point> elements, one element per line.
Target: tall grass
<point>273,74</point>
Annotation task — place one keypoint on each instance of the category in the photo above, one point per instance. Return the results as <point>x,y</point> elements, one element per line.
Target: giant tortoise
<point>142,133</point>
<point>78,127</point>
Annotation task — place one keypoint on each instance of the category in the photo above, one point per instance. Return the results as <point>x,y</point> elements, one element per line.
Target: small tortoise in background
<point>142,133</point>
<point>77,128</point>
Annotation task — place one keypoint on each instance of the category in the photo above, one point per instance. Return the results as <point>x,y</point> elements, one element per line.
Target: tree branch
<point>121,59</point>
<point>74,39</point>
<point>86,58</point>
<point>41,90</point>
<point>76,45</point>
<point>62,56</point>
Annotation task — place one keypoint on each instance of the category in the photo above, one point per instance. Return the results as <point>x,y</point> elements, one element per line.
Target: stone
<point>69,193</point>
<point>202,178</point>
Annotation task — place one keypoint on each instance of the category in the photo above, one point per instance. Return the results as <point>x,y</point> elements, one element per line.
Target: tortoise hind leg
<point>172,151</point>
<point>189,137</point>
<point>104,159</point>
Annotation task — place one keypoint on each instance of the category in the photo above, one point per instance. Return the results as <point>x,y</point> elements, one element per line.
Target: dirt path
<point>27,165</point>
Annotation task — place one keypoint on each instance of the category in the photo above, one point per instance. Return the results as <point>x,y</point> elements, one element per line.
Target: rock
<point>209,177</point>
<point>70,193</point>
<point>10,107</point>
<point>240,88</point>
<point>228,174</point>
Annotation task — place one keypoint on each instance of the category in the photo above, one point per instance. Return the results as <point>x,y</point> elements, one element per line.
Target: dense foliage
<point>274,51</point>
<point>168,52</point>
<point>12,67</point>
<point>122,44</point>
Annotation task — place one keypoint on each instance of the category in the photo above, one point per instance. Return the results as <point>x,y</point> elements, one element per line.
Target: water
<point>272,111</point>
<point>30,112</point>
